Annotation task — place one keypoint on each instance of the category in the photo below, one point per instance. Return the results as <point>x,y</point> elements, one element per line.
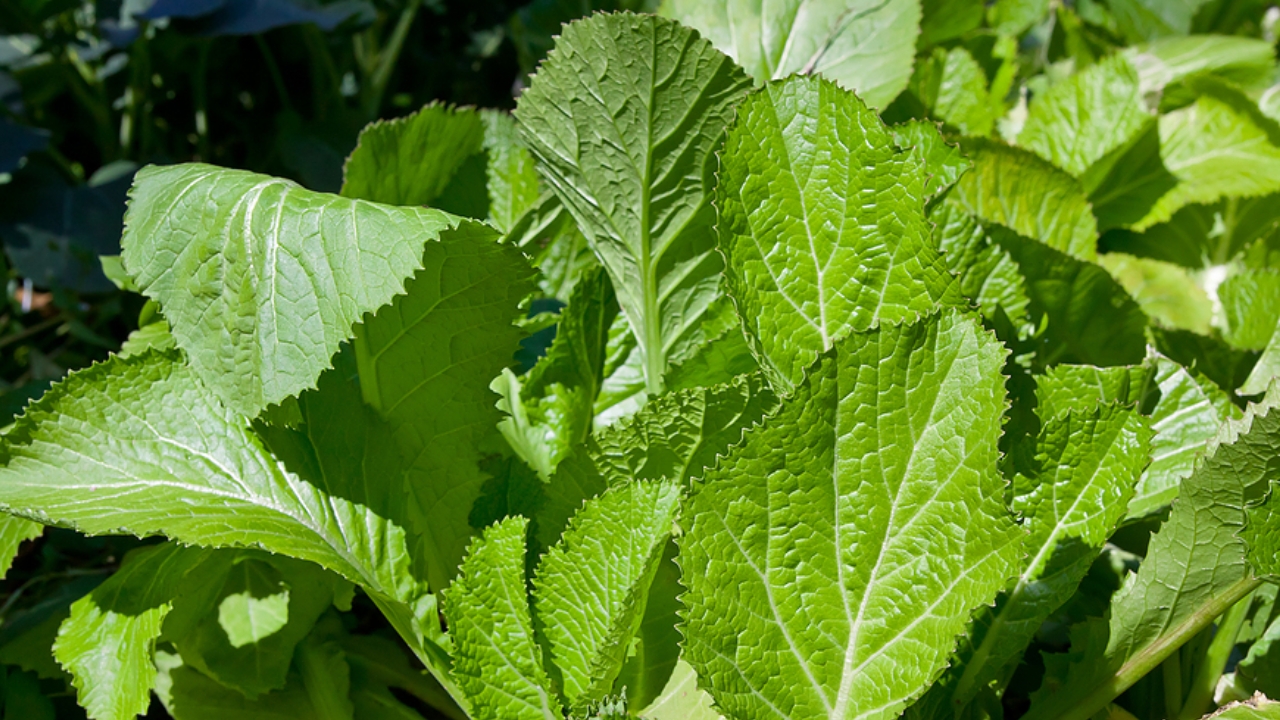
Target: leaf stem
<point>1200,699</point>
<point>1152,655</point>
<point>1171,673</point>
<point>387,60</point>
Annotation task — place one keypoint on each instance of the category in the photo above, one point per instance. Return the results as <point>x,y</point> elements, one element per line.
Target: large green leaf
<point>1250,307</point>
<point>590,589</point>
<point>1087,117</point>
<point>261,279</point>
<point>1169,60</point>
<point>1190,411</point>
<point>1169,294</point>
<point>410,160</point>
<point>681,699</point>
<point>1018,190</point>
<point>858,529</point>
<point>143,446</point>
<point>987,274</point>
<point>1194,570</point>
<point>628,153</point>
<point>1085,467</point>
<point>864,45</point>
<point>822,224</point>
<point>107,642</point>
<point>1221,145</point>
<point>496,660</point>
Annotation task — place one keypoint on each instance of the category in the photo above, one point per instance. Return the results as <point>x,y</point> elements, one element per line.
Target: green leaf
<point>681,699</point>
<point>1256,708</point>
<point>1260,668</point>
<point>987,273</point>
<point>1170,60</point>
<point>560,252</point>
<point>266,606</point>
<point>1190,411</point>
<point>154,335</point>
<point>140,445</point>
<point>1018,190</point>
<point>1268,368</point>
<point>189,695</point>
<point>552,407</point>
<point>1083,388</point>
<point>1195,568</point>
<point>863,45</point>
<point>656,647</point>
<point>1086,464</point>
<point>675,437</point>
<point>858,528</point>
<point>943,161</point>
<point>107,642</point>
<point>943,20</point>
<point>261,279</point>
<point>590,589</point>
<point>1167,293</point>
<point>410,160</point>
<point>1089,116</point>
<point>23,699</point>
<point>1250,307</point>
<point>512,181</point>
<point>1091,318</point>
<point>628,153</point>
<point>13,532</point>
<point>1014,17</point>
<point>496,660</point>
<point>963,99</point>
<point>1147,19</point>
<point>822,224</point>
<point>1219,146</point>
<point>725,356</point>
<point>1261,534</point>
<point>326,676</point>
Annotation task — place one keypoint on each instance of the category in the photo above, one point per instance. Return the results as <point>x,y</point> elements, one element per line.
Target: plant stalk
<point>1171,674</point>
<point>387,59</point>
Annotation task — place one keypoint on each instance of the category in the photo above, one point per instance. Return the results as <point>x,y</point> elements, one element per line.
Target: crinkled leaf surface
<point>261,279</point>
<point>1256,708</point>
<point>858,529</point>
<point>1082,388</point>
<point>622,118</point>
<point>143,446</point>
<point>1086,117</point>
<point>1195,568</point>
<point>1011,187</point>
<point>512,181</point>
<point>987,274</point>
<point>1190,411</point>
<point>1220,145</point>
<point>410,160</point>
<point>107,642</point>
<point>1085,467</point>
<point>963,98</point>
<point>590,589</point>
<point>943,162</point>
<point>496,660</point>
<point>864,45</point>
<point>822,222</point>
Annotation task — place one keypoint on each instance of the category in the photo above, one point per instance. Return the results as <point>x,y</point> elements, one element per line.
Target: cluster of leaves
<point>958,409</point>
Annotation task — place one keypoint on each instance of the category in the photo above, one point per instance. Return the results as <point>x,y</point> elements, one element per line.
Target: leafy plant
<point>849,413</point>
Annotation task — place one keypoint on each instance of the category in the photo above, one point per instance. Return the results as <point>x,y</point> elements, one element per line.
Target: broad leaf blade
<point>826,523</point>
<point>822,223</point>
<point>590,589</point>
<point>13,532</point>
<point>864,45</point>
<point>496,660</point>
<point>622,118</point>
<point>107,642</point>
<point>261,279</point>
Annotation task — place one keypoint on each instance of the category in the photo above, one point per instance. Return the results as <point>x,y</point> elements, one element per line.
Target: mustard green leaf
<point>622,118</point>
<point>863,45</point>
<point>858,528</point>
<point>822,224</point>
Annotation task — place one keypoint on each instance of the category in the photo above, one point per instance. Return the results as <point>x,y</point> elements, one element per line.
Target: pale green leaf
<point>622,119</point>
<point>1256,708</point>
<point>1250,307</point>
<point>858,529</point>
<point>1013,17</point>
<point>1085,467</point>
<point>1195,568</point>
<point>1018,190</point>
<point>107,642</point>
<point>822,224</point>
<point>1087,117</point>
<point>987,273</point>
<point>496,660</point>
<point>590,589</point>
<point>1190,411</point>
<point>681,699</point>
<point>154,335</point>
<point>261,279</point>
<point>1266,370</point>
<point>1219,146</point>
<point>943,161</point>
<point>963,98</point>
<point>410,160</point>
<point>140,445</point>
<point>1147,19</point>
<point>1169,60</point>
<point>1169,294</point>
<point>864,45</point>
